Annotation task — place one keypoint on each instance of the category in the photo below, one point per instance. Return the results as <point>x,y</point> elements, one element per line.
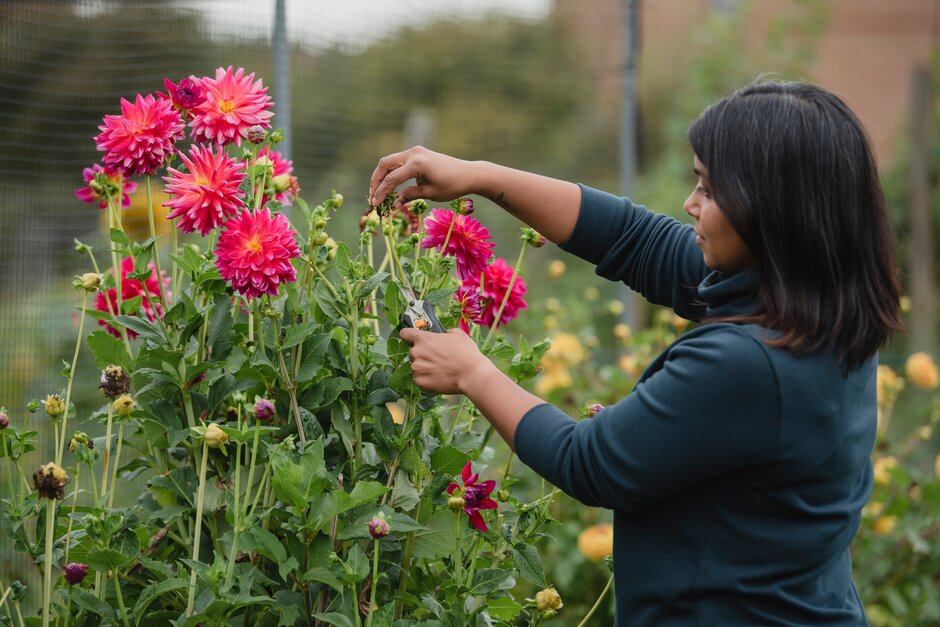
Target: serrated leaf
<point>221,328</point>
<point>526,560</point>
<point>143,328</point>
<point>90,603</point>
<point>107,350</point>
<point>438,539</point>
<point>297,333</point>
<point>149,594</point>
<point>119,237</point>
<point>394,303</point>
<point>334,618</point>
<point>448,461</point>
<point>487,580</point>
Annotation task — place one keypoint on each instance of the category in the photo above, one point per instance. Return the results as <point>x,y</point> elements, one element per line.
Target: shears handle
<point>428,322</point>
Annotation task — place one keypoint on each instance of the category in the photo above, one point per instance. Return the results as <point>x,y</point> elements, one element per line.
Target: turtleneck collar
<point>730,295</point>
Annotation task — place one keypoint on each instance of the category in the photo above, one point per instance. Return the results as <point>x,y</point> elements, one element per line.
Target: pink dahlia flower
<point>496,278</point>
<point>96,194</point>
<point>468,242</point>
<point>149,289</point>
<point>471,306</point>
<point>232,105</point>
<point>140,140</point>
<point>283,182</point>
<point>207,193</point>
<point>254,252</point>
<point>185,95</point>
<point>475,495</point>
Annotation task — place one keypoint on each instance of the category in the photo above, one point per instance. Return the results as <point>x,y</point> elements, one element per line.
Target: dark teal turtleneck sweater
<point>736,471</point>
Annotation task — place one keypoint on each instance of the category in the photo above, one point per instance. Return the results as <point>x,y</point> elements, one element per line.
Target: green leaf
<point>221,328</point>
<point>107,350</point>
<point>143,328</point>
<point>356,567</point>
<point>342,260</point>
<point>438,539</point>
<point>149,594</point>
<point>220,389</point>
<point>119,237</point>
<point>526,560</point>
<point>448,461</point>
<point>314,349</point>
<point>90,603</point>
<point>503,608</point>
<point>404,494</point>
<point>394,303</point>
<point>334,618</point>
<point>329,305</point>
<point>487,580</point>
<point>324,576</point>
<point>297,333</point>
<point>131,305</point>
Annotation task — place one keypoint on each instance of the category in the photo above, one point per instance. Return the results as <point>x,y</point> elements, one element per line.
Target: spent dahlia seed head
<point>50,481</point>
<point>207,193</point>
<point>142,138</point>
<point>90,281</point>
<point>496,279</point>
<point>75,573</point>
<point>215,437</point>
<point>96,192</point>
<point>114,381</point>
<point>378,526</point>
<point>264,409</point>
<point>124,405</point>
<point>548,599</point>
<point>233,104</point>
<point>55,406</point>
<point>254,253</point>
<point>469,242</point>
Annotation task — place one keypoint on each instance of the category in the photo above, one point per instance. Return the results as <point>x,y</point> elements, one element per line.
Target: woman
<point>738,466</point>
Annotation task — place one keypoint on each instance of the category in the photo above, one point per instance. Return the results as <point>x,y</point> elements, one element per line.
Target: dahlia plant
<point>249,373</point>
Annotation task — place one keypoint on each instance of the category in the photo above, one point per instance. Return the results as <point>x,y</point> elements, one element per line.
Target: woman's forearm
<point>548,205</point>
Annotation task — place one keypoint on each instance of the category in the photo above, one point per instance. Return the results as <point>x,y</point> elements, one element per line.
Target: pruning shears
<point>418,314</point>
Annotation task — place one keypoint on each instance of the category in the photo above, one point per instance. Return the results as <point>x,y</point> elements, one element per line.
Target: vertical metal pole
<point>282,76</point>
<point>634,311</point>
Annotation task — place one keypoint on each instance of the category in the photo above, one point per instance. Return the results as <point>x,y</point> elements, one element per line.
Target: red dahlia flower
<point>232,105</point>
<point>184,96</point>
<point>496,278</point>
<point>91,194</point>
<point>140,140</point>
<point>468,241</point>
<point>475,496</point>
<point>207,193</point>
<point>149,289</point>
<point>254,252</point>
<point>471,306</point>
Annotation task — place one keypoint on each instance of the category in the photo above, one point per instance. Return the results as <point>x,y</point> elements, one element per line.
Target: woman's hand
<point>437,176</point>
<point>442,362</point>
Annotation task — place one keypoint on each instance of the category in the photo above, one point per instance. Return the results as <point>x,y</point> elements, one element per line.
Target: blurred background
<point>595,92</point>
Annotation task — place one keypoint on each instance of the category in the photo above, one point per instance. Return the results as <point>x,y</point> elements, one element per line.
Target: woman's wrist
<point>476,378</point>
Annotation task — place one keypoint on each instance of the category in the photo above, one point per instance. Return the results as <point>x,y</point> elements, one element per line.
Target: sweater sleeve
<point>710,408</point>
<point>652,253</point>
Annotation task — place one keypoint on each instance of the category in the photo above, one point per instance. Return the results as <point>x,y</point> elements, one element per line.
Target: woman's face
<point>722,246</point>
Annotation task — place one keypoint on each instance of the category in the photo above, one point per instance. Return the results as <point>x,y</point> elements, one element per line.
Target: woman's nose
<point>690,206</point>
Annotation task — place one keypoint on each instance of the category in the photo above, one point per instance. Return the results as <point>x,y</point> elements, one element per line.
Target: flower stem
<point>47,563</point>
<point>597,603</point>
<point>107,451</point>
<point>9,473</point>
<point>117,463</point>
<point>120,598</point>
<point>200,497</point>
<point>113,216</point>
<point>236,510</point>
<point>502,306</point>
<point>289,384</point>
<point>68,533</point>
<point>375,578</point>
<point>68,390</point>
<point>156,252</point>
<point>458,558</point>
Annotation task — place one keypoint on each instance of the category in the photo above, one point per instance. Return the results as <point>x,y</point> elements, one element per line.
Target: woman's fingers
<point>388,174</point>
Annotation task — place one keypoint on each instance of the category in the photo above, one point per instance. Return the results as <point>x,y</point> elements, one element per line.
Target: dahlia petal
<point>476,520</point>
<point>465,473</point>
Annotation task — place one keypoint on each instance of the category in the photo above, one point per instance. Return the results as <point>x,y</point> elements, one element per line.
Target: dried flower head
<point>50,481</point>
<point>55,406</point>
<point>124,405</point>
<point>215,437</point>
<point>114,381</point>
<point>75,573</point>
<point>90,282</point>
<point>548,599</point>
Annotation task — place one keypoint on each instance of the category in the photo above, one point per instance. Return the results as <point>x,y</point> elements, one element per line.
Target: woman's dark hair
<point>791,168</point>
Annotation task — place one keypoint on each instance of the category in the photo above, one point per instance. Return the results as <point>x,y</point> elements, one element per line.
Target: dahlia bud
<point>75,573</point>
<point>124,405</point>
<point>90,282</point>
<point>264,409</point>
<point>548,599</point>
<point>418,207</point>
<point>593,409</point>
<point>533,237</point>
<point>336,201</point>
<point>55,406</point>
<point>319,238</point>
<point>114,381</point>
<point>215,437</point>
<point>378,526</point>
<point>319,224</point>
<point>333,246</point>
<point>276,136</point>
<point>255,134</point>
<point>4,420</point>
<point>264,161</point>
<point>463,206</point>
<point>80,437</point>
<point>549,614</point>
<point>502,495</point>
<point>50,481</point>
<point>33,406</point>
<point>456,502</point>
<point>96,187</point>
<point>281,183</point>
